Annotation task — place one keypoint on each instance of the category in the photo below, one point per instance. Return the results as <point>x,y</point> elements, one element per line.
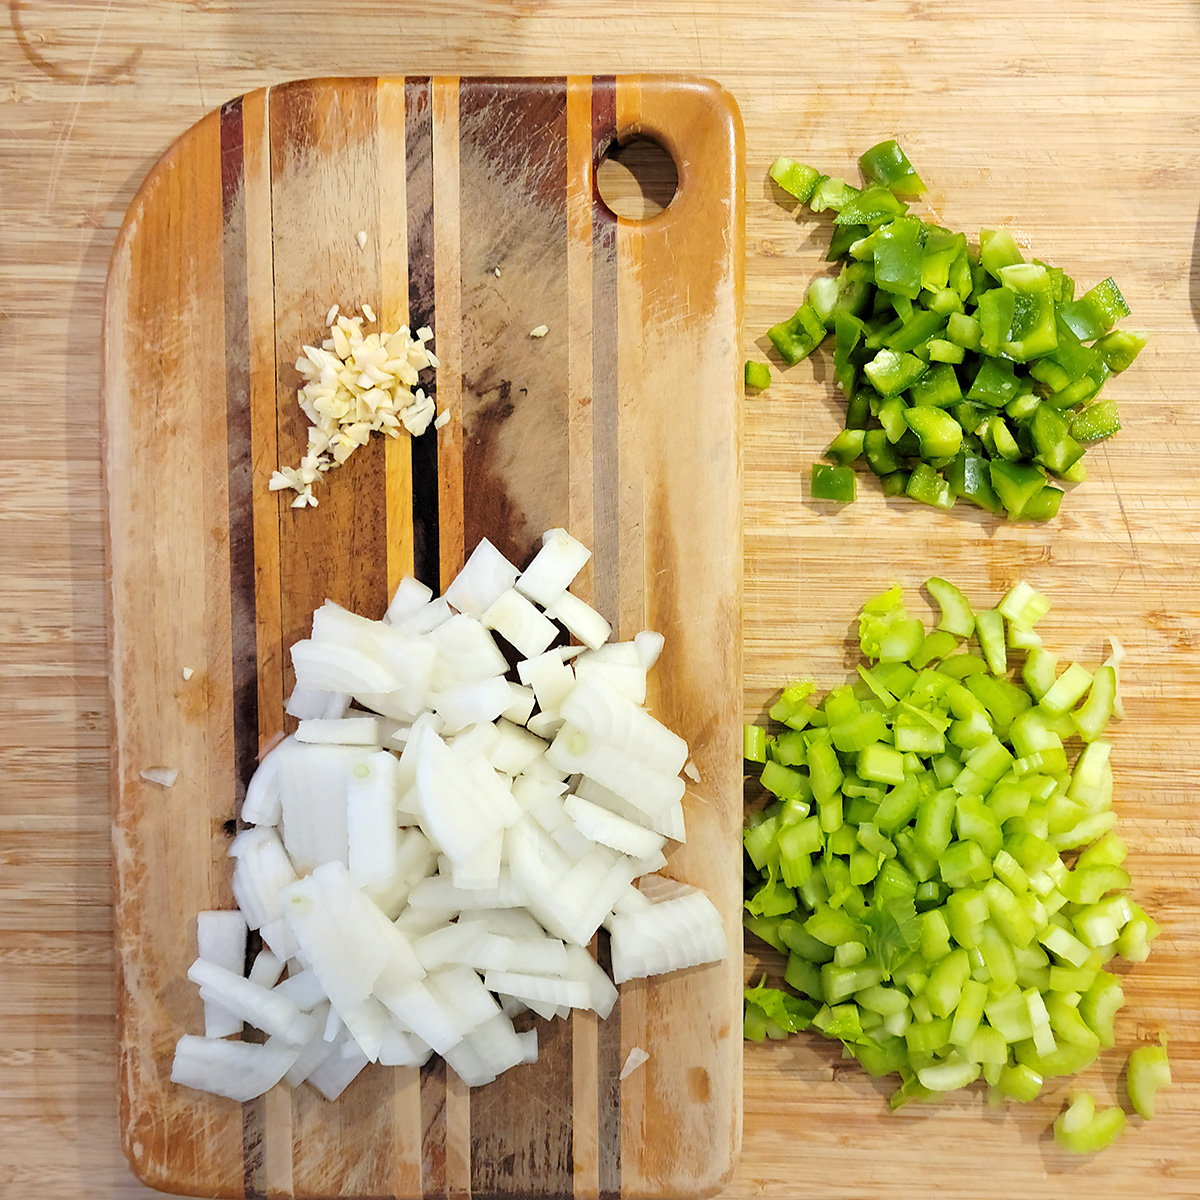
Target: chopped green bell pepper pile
<point>979,372</point>
<point>937,862</point>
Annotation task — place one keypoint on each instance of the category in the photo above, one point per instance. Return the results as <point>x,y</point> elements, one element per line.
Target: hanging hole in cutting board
<point>637,178</point>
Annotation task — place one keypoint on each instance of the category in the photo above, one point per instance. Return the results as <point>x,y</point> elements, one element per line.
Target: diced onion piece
<point>306,704</point>
<point>576,752</point>
<point>516,620</point>
<point>604,826</point>
<point>304,989</point>
<point>554,567</point>
<point>683,932</point>
<point>349,731</point>
<point>423,620</point>
<point>261,1007</point>
<point>484,578</point>
<point>265,970</point>
<point>221,939</point>
<point>581,620</point>
<point>636,1057</point>
<point>608,716</point>
<point>410,596</point>
<point>239,1070</point>
<point>472,703</point>
<point>521,707</point>
<point>649,646</point>
<point>262,868</point>
<point>163,776</point>
<point>372,832</point>
<point>466,653</point>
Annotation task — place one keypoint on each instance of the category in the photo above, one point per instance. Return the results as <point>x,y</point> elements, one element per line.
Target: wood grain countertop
<point>1074,123</point>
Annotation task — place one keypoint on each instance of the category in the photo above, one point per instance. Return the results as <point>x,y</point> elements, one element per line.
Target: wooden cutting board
<point>481,220</point>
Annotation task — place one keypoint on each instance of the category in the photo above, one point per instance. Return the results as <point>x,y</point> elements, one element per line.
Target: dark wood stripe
<point>243,640</point>
<point>605,561</point>
<point>513,206</point>
<point>418,157</point>
<point>418,167</point>
<point>240,462</point>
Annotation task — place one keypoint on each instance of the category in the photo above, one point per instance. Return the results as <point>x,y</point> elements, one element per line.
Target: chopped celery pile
<point>968,372</point>
<point>937,858</point>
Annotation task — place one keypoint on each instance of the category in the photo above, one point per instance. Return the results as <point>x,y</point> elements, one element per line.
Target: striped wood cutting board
<point>621,424</point>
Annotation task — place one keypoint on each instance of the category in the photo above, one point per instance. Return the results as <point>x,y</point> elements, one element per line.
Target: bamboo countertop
<point>1068,121</point>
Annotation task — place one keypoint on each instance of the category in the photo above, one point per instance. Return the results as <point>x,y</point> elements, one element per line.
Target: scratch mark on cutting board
<point>44,65</point>
<point>62,145</point>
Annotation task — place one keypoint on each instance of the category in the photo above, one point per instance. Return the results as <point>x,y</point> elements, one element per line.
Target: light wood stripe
<point>405,1082</point>
<point>260,307</point>
<point>631,313</point>
<point>447,272</point>
<point>604,562</point>
<point>393,312</point>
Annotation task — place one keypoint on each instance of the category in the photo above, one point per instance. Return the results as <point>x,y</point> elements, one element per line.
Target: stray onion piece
<point>433,850</point>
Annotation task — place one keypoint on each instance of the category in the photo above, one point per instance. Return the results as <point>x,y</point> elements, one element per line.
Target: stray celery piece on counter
<point>1148,1072</point>
<point>757,375</point>
<point>1082,1129</point>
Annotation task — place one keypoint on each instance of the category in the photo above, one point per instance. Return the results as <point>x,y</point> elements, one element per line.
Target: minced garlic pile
<point>357,384</point>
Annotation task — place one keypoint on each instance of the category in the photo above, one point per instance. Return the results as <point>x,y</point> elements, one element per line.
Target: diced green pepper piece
<point>796,178</point>
<point>940,434</point>
<point>834,483</point>
<point>830,192</point>
<point>1033,331</point>
<point>798,336</point>
<point>1095,312</point>
<point>886,163</point>
<point>846,447</point>
<point>969,478</point>
<point>927,486</point>
<point>997,248</point>
<point>1016,485</point>
<point>914,332</point>
<point>964,331</point>
<point>757,375</point>
<point>1120,348</point>
<point>1099,420</point>
<point>1056,449</point>
<point>891,373</point>
<point>995,383</point>
<point>881,458</point>
<point>938,387</point>
<point>897,255</point>
<point>873,206</point>
<point>943,351</point>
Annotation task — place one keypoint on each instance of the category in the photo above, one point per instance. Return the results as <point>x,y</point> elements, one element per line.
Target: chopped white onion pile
<point>430,863</point>
<point>356,384</point>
